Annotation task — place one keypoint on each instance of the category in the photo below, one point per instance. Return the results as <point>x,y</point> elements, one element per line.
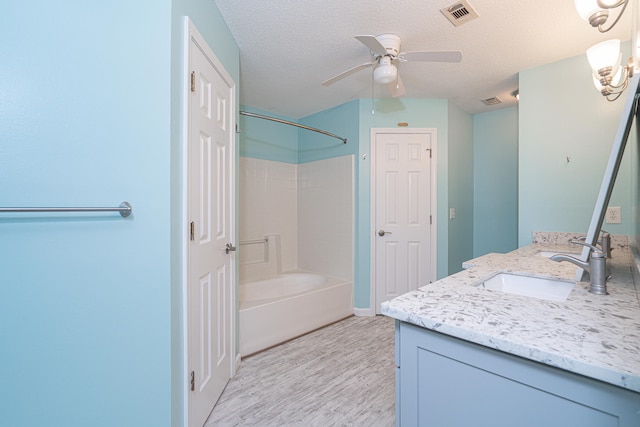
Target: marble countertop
<point>597,336</point>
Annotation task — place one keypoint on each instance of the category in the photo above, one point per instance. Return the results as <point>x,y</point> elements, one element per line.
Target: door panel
<point>402,213</point>
<point>210,212</point>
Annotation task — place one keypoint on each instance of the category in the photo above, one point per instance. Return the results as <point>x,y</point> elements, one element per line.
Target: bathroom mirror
<point>615,158</point>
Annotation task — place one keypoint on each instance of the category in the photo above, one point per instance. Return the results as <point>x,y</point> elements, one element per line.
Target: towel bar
<point>124,209</point>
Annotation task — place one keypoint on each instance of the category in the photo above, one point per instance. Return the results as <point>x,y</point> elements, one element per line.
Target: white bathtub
<point>281,308</point>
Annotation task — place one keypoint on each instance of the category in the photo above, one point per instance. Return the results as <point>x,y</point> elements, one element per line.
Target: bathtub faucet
<point>596,266</point>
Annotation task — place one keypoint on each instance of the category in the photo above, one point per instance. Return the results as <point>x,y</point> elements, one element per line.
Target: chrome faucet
<point>596,266</point>
<point>604,242</point>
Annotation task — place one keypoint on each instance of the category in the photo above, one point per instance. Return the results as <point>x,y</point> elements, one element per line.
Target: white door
<point>403,210</point>
<point>210,211</point>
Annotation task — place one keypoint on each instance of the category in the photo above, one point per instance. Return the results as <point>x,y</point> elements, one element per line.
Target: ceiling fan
<point>386,56</point>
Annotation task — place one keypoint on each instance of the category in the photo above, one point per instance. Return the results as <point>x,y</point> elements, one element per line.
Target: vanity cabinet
<point>446,381</point>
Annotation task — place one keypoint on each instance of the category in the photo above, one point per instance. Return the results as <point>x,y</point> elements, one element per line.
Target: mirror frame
<point>615,159</point>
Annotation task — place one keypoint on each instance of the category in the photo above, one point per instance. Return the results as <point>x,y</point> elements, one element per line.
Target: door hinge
<point>192,228</point>
<point>429,150</point>
<point>193,81</point>
<point>193,380</point>
<point>430,219</point>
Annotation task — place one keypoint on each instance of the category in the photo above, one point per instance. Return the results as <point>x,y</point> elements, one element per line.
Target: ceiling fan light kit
<point>385,72</point>
<point>386,57</point>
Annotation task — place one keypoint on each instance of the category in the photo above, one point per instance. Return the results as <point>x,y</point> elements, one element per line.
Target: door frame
<point>191,33</point>
<point>372,207</point>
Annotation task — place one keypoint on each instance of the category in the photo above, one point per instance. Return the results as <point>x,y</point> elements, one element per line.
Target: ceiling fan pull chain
<point>373,103</point>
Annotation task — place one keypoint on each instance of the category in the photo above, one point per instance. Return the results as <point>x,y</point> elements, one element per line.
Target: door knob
<point>382,233</point>
<point>229,248</point>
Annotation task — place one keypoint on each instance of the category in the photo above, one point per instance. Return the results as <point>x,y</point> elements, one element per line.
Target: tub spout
<point>596,267</point>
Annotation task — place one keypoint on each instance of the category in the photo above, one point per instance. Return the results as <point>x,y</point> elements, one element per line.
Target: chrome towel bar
<point>124,209</point>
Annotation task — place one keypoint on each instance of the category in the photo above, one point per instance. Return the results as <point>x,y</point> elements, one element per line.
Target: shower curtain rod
<point>273,119</point>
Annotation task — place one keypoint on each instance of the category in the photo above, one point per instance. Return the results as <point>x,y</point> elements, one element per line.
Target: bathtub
<point>278,309</point>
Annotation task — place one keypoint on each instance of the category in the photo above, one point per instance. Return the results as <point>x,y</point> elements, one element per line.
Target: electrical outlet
<point>452,213</point>
<point>613,215</point>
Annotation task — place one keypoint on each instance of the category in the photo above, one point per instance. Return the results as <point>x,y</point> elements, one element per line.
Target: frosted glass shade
<point>386,72</point>
<point>604,54</point>
<point>586,8</point>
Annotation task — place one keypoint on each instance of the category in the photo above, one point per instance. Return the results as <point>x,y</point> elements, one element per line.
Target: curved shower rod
<point>273,119</point>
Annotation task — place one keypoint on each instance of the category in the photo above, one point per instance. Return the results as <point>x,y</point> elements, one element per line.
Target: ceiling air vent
<point>459,13</point>
<point>492,101</point>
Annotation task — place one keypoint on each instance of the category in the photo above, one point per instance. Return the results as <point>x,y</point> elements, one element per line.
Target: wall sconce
<point>596,12</point>
<point>604,59</point>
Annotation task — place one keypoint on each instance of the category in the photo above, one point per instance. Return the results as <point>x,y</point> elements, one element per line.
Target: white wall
<point>325,216</point>
<point>268,205</point>
<point>310,206</point>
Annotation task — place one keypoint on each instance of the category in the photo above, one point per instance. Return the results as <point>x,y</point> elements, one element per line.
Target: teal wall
<point>267,140</point>
<point>342,121</point>
<point>85,299</point>
<point>495,176</point>
<point>562,115</point>
<point>91,116</point>
<point>461,174</point>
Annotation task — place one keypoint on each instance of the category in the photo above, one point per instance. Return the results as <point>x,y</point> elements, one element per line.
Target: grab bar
<point>250,242</point>
<point>124,209</point>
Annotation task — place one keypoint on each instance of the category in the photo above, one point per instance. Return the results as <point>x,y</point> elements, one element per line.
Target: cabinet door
<point>448,381</point>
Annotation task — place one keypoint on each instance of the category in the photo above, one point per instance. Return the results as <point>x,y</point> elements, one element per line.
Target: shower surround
<point>294,219</point>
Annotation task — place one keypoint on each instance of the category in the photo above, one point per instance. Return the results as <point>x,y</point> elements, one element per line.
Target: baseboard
<point>363,312</point>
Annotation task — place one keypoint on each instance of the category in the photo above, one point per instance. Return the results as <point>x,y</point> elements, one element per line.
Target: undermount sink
<point>529,286</point>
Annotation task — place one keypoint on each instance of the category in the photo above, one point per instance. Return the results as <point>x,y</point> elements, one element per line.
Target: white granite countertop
<point>597,336</point>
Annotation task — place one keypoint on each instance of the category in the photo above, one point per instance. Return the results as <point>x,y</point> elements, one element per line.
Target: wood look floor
<point>341,375</point>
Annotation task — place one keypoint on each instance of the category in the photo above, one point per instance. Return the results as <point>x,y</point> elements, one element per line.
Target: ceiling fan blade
<point>397,88</point>
<point>347,73</point>
<point>432,56</point>
<point>373,44</point>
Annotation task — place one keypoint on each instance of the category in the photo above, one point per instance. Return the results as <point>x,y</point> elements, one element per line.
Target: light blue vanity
<point>495,355</point>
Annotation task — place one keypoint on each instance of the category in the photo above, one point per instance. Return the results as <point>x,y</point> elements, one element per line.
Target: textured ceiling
<point>288,47</point>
